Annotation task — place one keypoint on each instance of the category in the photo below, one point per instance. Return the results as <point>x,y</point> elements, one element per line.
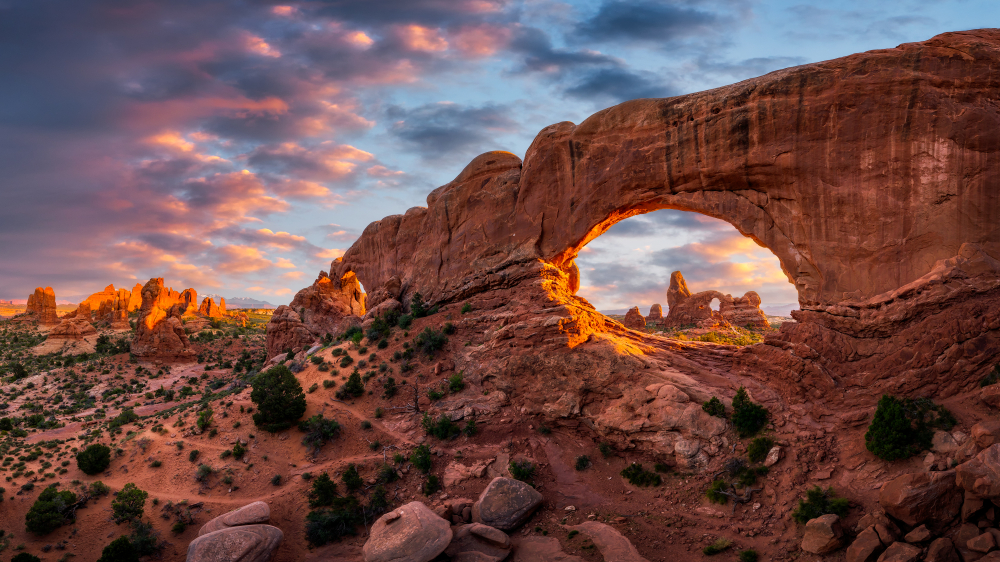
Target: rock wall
<point>326,307</point>
<point>43,304</point>
<point>210,309</point>
<point>159,332</point>
<point>870,177</point>
<point>687,309</point>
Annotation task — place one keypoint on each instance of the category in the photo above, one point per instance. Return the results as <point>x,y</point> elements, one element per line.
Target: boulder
<point>986,433</point>
<point>613,545</point>
<point>247,543</point>
<point>541,549</point>
<point>634,319</point>
<point>382,308</point>
<point>941,550</point>
<point>478,543</point>
<point>330,306</point>
<point>965,533</point>
<point>865,548</point>
<point>900,552</point>
<point>943,442</point>
<point>925,496</point>
<point>773,456</point>
<point>411,533</point>
<point>990,395</point>
<point>655,314</point>
<point>981,543</point>
<point>251,514</point>
<point>823,534</point>
<point>981,474</point>
<point>506,504</point>
<point>920,534</point>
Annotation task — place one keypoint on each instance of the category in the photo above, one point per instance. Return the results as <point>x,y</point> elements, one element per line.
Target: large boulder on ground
<point>916,498</point>
<point>544,549</point>
<point>866,547</point>
<point>613,545</point>
<point>478,543</point>
<point>981,474</point>
<point>986,433</point>
<point>941,550</point>
<point>254,513</point>
<point>329,306</point>
<point>823,534</point>
<point>506,504</point>
<point>900,552</point>
<point>247,543</point>
<point>411,533</point>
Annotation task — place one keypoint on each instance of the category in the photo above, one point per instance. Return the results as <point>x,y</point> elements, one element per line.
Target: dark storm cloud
<point>540,55</point>
<point>618,84</point>
<point>450,130</point>
<point>384,12</point>
<point>631,21</point>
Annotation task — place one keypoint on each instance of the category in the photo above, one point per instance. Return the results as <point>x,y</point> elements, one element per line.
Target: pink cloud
<point>481,40</point>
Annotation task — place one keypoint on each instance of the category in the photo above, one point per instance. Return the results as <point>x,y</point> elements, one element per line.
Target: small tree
<point>94,459</point>
<point>354,385</point>
<point>204,419</point>
<point>120,550</point>
<point>323,492</point>
<point>318,430</point>
<point>748,417</point>
<point>898,430</point>
<point>50,511</point>
<point>129,504</point>
<point>351,478</point>
<point>279,399</point>
<point>417,307</point>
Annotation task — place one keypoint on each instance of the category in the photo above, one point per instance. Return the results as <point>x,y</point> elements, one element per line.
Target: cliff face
<point>870,177</point>
<point>43,303</point>
<point>159,332</point>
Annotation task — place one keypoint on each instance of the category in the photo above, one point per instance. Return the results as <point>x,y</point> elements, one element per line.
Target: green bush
<point>605,449</point>
<point>323,492</point>
<point>430,341</point>
<point>470,428</point>
<point>444,428</point>
<point>94,459</point>
<point>193,455</point>
<point>279,399</point>
<point>25,557</point>
<point>903,427</point>
<point>431,485</point>
<point>335,522</point>
<point>456,382</point>
<point>417,307</point>
<point>50,511</point>
<point>351,478</point>
<point>720,545</point>
<point>421,458</point>
<point>204,419</point>
<point>354,386</point>
<point>749,555</point>
<point>758,449</point>
<point>582,462</point>
<point>639,476</point>
<point>521,470</point>
<point>714,407</point>
<point>819,502</point>
<point>466,308</point>
<point>714,492</point>
<point>318,430</point>
<point>129,504</point>
<point>120,550</point>
<point>992,378</point>
<point>748,417</point>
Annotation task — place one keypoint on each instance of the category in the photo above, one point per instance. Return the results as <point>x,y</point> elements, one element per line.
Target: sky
<point>237,147</point>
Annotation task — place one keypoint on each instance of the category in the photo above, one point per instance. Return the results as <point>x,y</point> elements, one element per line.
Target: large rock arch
<point>871,177</point>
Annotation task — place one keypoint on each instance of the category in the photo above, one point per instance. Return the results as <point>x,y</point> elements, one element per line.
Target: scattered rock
<point>411,533</point>
<point>900,552</point>
<point>986,433</point>
<point>943,442</point>
<point>982,543</point>
<point>254,513</point>
<point>941,550</point>
<point>920,534</point>
<point>990,395</point>
<point>247,543</point>
<point>773,456</point>
<point>506,504</point>
<point>865,548</point>
<point>823,534</point>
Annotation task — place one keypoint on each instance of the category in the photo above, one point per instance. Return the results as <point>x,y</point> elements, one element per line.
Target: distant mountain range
<point>242,302</point>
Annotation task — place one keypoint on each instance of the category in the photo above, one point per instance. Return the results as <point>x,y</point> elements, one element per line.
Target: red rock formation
<point>43,304</point>
<point>222,306</point>
<point>327,307</point>
<point>209,308</point>
<point>869,177</point>
<point>189,299</point>
<point>655,314</point>
<point>634,319</point>
<point>687,309</point>
<point>159,332</point>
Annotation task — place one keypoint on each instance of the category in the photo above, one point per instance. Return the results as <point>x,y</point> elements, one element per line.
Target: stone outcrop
<point>159,333</point>
<point>612,544</point>
<point>655,314</point>
<point>478,542</point>
<point>411,533</point>
<point>880,210</point>
<point>247,543</point>
<point>42,303</point>
<point>686,309</point>
<point>634,319</point>
<point>112,306</point>
<point>210,309</point>
<point>506,504</point>
<point>916,498</point>
<point>981,474</point>
<point>251,514</point>
<point>823,534</point>
<point>328,306</point>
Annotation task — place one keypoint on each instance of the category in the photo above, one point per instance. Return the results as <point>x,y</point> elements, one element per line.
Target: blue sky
<point>237,147</point>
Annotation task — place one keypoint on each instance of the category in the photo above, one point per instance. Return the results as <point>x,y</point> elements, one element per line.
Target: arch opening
<point>726,278</point>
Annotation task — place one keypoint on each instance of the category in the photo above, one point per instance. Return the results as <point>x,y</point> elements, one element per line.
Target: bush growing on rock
<point>714,407</point>
<point>758,449</point>
<point>903,427</point>
<point>50,511</point>
<point>94,459</point>
<point>279,399</point>
<point>521,470</point>
<point>819,502</point>
<point>748,417</point>
<point>430,341</point>
<point>638,476</point>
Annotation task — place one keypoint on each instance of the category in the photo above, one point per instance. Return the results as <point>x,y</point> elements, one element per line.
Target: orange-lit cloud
<point>283,10</point>
<point>359,39</point>
<point>259,46</point>
<point>380,171</point>
<point>481,40</point>
<point>420,38</point>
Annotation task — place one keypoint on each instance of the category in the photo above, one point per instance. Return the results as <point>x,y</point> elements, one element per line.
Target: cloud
<point>616,84</point>
<point>450,130</point>
<point>325,162</point>
<point>659,22</point>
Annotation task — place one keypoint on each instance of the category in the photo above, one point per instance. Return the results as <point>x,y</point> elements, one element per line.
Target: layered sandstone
<point>71,336</point>
<point>210,309</point>
<point>869,177</point>
<point>329,306</point>
<point>159,332</point>
<point>696,310</point>
<point>42,303</point>
<point>111,306</point>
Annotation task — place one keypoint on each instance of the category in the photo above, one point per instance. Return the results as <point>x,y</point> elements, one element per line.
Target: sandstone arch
<point>871,178</point>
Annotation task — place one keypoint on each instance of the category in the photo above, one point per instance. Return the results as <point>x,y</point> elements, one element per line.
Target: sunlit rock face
<point>159,332</point>
<point>43,304</point>
<point>329,306</point>
<point>688,309</point>
<point>870,177</point>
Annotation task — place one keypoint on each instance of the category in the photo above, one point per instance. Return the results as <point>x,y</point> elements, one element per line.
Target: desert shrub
<point>352,480</point>
<point>605,449</point>
<point>239,450</point>
<point>456,382</point>
<point>316,360</point>
<point>417,306</point>
<point>203,472</point>
<point>521,470</point>
<point>25,557</point>
<point>178,527</point>
<point>318,430</point>
<point>582,462</point>
<point>748,417</point>
<point>749,555</point>
<point>430,341</point>
<point>443,428</point>
<point>354,386</point>
<point>279,399</point>
<point>323,491</point>
<point>144,539</point>
<point>405,321</point>
<point>204,419</point>
<point>720,545</point>
<point>435,394</point>
<point>345,361</point>
<point>903,427</point>
<point>714,492</point>
<point>758,449</point>
<point>226,454</point>
<point>819,502</point>
<point>389,387</point>
<point>335,522</point>
<point>129,504</point>
<point>449,329</point>
<point>421,458</point>
<point>470,428</point>
<point>50,511</point>
<point>992,378</point>
<point>276,480</point>
<point>94,459</point>
<point>387,474</point>
<point>431,485</point>
<point>366,425</point>
<point>98,489</point>
<point>193,455</point>
<point>639,476</point>
<point>714,407</point>
<point>156,464</point>
<point>466,308</point>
